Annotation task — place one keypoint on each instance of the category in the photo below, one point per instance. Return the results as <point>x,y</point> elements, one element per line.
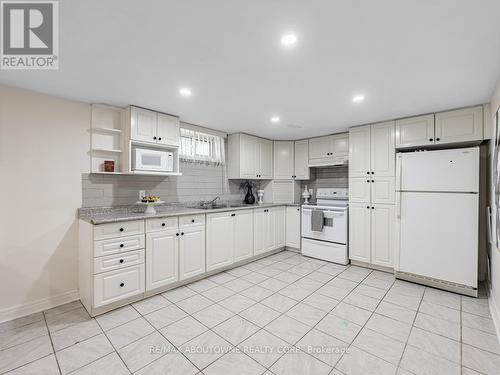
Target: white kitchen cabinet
<point>383,190</point>
<point>162,258</point>
<point>293,227</point>
<point>243,234</point>
<point>143,125</point>
<point>153,127</point>
<point>359,189</point>
<point>191,251</point>
<point>220,240</point>
<point>415,131</point>
<point>359,151</point>
<point>249,157</point>
<point>329,150</point>
<point>117,285</point>
<point>269,229</point>
<point>168,130</point>
<point>382,149</point>
<point>462,125</point>
<point>359,232</point>
<point>382,234</point>
<point>283,160</point>
<point>301,158</point>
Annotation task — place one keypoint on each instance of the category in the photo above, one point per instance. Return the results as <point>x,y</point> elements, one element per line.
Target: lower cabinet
<point>191,252</point>
<point>230,237</point>
<point>293,227</point>
<point>162,257</point>
<point>269,229</point>
<point>220,240</point>
<point>371,233</point>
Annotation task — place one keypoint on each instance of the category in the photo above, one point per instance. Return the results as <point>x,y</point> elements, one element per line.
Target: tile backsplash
<point>198,182</point>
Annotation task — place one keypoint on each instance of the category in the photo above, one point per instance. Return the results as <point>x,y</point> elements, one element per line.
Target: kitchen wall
<point>43,152</point>
<point>335,177</point>
<point>494,251</point>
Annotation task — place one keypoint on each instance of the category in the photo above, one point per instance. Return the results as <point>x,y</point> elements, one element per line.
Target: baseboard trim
<point>494,311</point>
<point>24,309</point>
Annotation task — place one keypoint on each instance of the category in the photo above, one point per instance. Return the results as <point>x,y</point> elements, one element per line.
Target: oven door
<point>334,225</point>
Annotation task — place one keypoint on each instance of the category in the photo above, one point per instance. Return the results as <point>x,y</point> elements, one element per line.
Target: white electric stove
<point>329,240</point>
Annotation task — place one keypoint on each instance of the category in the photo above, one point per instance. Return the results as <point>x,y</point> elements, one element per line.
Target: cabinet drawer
<point>121,229</point>
<point>162,223</point>
<point>118,245</point>
<point>117,261</point>
<point>116,285</point>
<point>186,221</point>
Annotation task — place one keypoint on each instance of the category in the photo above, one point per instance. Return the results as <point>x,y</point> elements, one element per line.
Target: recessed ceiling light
<point>358,98</point>
<point>185,91</point>
<point>275,119</point>
<point>288,39</point>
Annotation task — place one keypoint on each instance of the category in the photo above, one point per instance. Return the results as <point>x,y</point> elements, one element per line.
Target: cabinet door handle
<point>438,139</point>
<point>368,207</point>
<point>192,220</point>
<point>367,172</point>
<point>177,234</point>
<point>121,260</point>
<point>373,180</point>
<point>430,139</point>
<point>159,138</point>
<point>373,208</point>
<point>368,181</point>
<point>121,229</point>
<point>122,284</point>
<point>121,245</point>
<point>233,214</point>
<point>373,172</point>
<point>162,224</point>
<point>298,209</point>
<point>154,138</point>
<point>182,233</point>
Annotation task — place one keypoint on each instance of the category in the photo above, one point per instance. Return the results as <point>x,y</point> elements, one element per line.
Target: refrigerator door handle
<point>398,204</point>
<point>399,168</point>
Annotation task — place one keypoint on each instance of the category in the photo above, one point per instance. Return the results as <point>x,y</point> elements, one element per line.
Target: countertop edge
<point>181,212</point>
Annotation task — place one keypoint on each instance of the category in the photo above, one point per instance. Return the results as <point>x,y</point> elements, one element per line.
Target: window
<point>201,147</point>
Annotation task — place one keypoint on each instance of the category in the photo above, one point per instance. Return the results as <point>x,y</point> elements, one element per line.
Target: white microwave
<point>152,160</point>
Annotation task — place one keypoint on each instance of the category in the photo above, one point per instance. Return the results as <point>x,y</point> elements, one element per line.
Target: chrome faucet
<point>209,203</point>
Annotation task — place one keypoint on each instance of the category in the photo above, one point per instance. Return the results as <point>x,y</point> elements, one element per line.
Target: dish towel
<point>317,221</point>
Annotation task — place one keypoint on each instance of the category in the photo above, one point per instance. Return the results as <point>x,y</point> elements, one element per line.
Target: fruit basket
<point>150,202</point>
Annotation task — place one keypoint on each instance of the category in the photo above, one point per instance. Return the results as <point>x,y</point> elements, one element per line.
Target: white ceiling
<point>406,56</point>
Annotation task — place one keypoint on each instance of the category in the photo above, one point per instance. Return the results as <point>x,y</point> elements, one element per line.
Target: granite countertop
<point>103,215</point>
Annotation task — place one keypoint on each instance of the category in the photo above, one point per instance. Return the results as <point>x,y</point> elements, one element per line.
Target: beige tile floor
<point>284,314</point>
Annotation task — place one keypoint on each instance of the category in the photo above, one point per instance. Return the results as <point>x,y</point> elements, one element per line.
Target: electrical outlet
<point>142,193</point>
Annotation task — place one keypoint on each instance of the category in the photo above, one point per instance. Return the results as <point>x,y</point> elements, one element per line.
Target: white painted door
<point>220,240</point>
<point>462,125</point>
<point>258,230</point>
<point>243,234</point>
<point>293,227</point>
<point>382,149</point>
<point>320,150</point>
<point>249,156</point>
<point>168,130</point>
<point>279,217</point>
<point>302,160</point>
<point>383,224</point>
<point>359,189</point>
<point>359,232</point>
<point>415,131</point>
<point>162,257</point>
<point>359,151</point>
<point>383,190</point>
<point>283,160</point>
<point>191,252</point>
<point>265,159</point>
<point>143,125</point>
<point>340,146</point>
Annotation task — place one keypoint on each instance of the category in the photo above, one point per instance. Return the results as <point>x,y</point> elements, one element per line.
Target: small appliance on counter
<point>325,224</point>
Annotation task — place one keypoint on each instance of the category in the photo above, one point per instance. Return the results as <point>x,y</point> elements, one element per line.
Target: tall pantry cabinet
<point>372,176</point>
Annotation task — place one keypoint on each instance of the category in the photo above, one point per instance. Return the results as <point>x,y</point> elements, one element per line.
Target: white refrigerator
<point>437,196</point>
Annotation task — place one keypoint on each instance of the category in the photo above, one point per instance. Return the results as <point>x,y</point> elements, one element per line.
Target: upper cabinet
<point>291,160</point>
<point>462,125</point>
<point>459,126</point>
<point>371,150</point>
<point>415,131</point>
<point>153,127</point>
<point>328,150</point>
<point>249,157</point>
